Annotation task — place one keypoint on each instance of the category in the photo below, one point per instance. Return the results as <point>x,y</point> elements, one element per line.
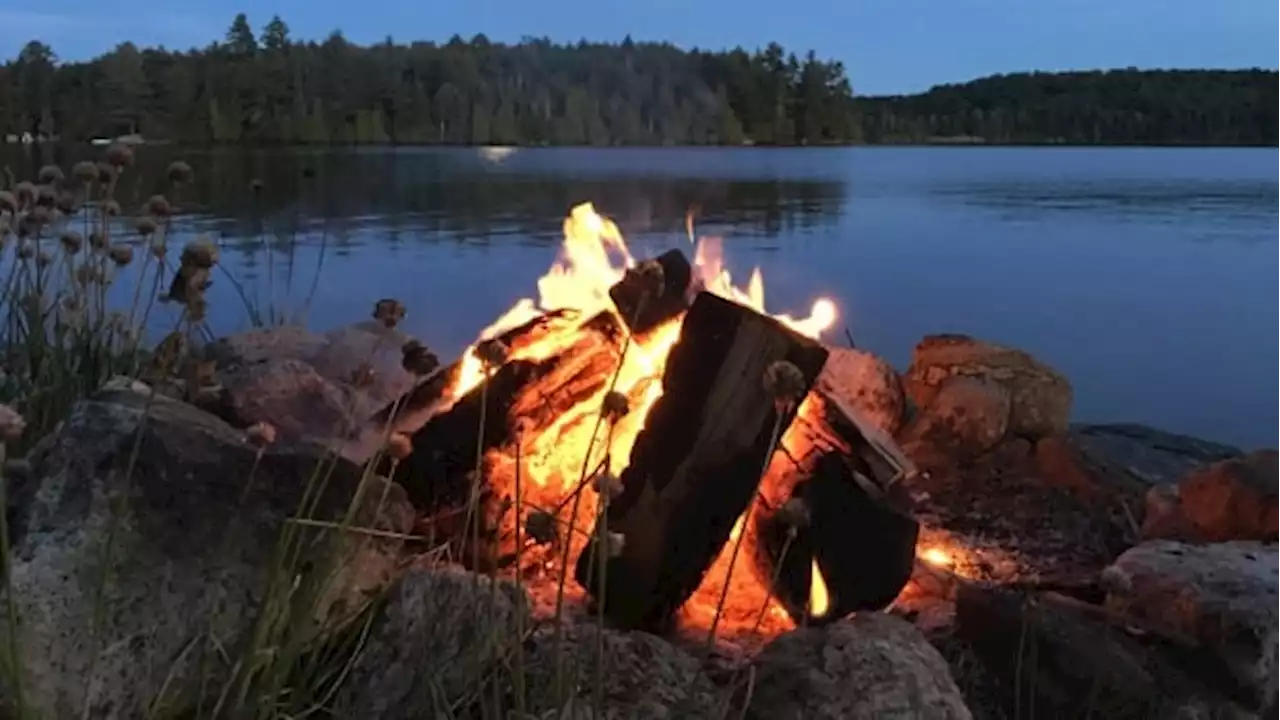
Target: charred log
<point>535,392</point>
<point>861,539</point>
<point>1061,658</point>
<point>695,467</point>
<point>645,300</point>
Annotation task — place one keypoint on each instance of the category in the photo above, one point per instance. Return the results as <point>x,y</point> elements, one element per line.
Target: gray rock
<point>185,523</point>
<point>321,388</point>
<point>871,666</point>
<point>1222,596</point>
<point>432,644</point>
<point>1150,456</point>
<point>643,677</point>
<point>1040,396</point>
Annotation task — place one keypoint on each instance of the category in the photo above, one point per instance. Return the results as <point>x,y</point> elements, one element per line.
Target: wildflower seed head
<point>794,513</point>
<point>607,484</point>
<point>261,434</point>
<point>784,382</point>
<point>616,405</point>
<point>121,255</point>
<point>417,359</point>
<point>111,207</point>
<point>67,203</point>
<point>145,225</point>
<point>541,526</point>
<point>493,353</point>
<point>651,276</point>
<point>389,312</point>
<point>614,543</point>
<point>51,175</point>
<point>159,248</point>
<point>197,308</point>
<point>84,171</point>
<point>179,172</point>
<point>399,446</point>
<point>71,241</point>
<point>39,216</point>
<point>85,274</point>
<point>8,202</point>
<point>12,424</point>
<point>158,205</point>
<point>119,155</point>
<point>44,259</point>
<point>200,254</point>
<point>46,196</point>
<point>107,173</point>
<point>25,192</point>
<point>97,240</point>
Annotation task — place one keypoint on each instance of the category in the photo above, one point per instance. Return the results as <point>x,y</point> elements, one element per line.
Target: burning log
<point>695,467</point>
<point>859,539</point>
<point>534,392</point>
<point>643,309</point>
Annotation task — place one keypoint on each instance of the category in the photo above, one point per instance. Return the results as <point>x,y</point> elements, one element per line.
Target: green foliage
<point>1116,107</point>
<point>273,89</point>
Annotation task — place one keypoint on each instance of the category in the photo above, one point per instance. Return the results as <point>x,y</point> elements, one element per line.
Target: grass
<point>68,324</point>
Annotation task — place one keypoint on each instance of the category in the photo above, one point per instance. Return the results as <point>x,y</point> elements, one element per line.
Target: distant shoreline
<point>941,143</point>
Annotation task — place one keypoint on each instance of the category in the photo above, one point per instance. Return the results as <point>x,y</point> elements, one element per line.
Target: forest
<point>265,87</point>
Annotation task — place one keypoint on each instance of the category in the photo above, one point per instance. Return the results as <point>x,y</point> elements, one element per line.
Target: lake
<point>1146,275</point>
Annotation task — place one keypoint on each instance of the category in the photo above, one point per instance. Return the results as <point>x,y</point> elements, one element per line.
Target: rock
<point>188,520</point>
<point>1145,455</point>
<point>444,624</point>
<point>321,388</point>
<point>866,383</point>
<point>1067,659</point>
<point>1222,596</point>
<point>870,666</point>
<point>644,676</point>
<point>1040,396</point>
<point>1232,499</point>
<point>966,418</point>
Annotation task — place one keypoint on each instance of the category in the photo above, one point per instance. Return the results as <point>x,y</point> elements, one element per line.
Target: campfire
<point>648,436</point>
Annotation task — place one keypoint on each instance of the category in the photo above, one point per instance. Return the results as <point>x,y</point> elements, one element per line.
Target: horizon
<point>1078,36</point>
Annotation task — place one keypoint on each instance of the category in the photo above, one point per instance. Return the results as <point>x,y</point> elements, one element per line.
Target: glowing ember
<point>938,557</point>
<point>593,257</point>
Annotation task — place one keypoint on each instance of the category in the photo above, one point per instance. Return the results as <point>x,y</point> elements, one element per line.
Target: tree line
<point>266,87</point>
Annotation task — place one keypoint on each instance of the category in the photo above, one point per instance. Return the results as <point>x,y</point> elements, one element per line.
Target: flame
<point>593,257</point>
<point>938,557</point>
<point>819,599</point>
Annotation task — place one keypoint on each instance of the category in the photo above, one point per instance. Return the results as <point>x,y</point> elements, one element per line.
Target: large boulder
<point>870,666</point>
<point>320,388</point>
<point>160,525</point>
<point>867,384</point>
<point>966,418</point>
<point>1040,397</point>
<point>434,641</point>
<point>1232,499</point>
<point>1222,596</point>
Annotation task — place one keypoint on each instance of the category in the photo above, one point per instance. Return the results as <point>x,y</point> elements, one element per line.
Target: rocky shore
<point>1113,570</point>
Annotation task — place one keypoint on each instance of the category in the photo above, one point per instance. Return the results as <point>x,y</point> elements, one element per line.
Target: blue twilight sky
<point>887,45</point>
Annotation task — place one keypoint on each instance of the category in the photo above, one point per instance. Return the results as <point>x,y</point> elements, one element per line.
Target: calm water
<point>1147,275</point>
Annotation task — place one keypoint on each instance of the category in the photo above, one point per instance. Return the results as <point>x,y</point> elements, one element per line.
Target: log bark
<point>537,391</point>
<point>641,307</point>
<point>1060,658</point>
<point>862,540</point>
<point>695,467</point>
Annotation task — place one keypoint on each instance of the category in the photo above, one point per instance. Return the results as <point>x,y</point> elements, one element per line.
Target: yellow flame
<point>819,598</point>
<point>938,557</point>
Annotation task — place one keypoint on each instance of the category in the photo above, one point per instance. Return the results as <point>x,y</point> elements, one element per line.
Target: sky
<point>887,46</point>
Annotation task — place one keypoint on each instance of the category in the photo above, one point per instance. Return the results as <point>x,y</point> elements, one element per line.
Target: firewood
<point>645,301</point>
<point>861,538</point>
<point>695,467</point>
<point>534,391</point>
<point>1060,657</point>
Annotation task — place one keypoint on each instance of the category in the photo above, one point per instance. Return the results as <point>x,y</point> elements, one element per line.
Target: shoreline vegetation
<point>265,88</point>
